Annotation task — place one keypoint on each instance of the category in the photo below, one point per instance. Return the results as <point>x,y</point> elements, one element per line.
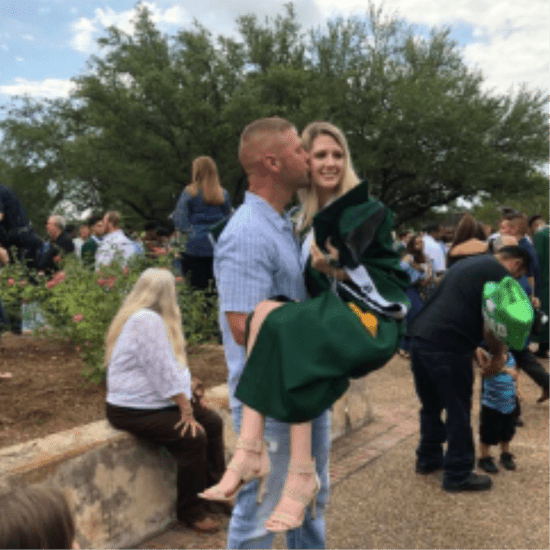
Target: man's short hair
<point>58,221</point>
<point>94,218</point>
<point>113,218</point>
<point>514,215</point>
<point>266,126</point>
<point>515,252</point>
<point>533,218</point>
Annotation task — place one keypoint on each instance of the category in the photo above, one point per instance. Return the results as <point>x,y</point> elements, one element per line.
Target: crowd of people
<point>309,298</point>
<point>438,333</point>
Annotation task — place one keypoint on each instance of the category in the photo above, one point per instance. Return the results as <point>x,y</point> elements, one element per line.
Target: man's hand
<point>535,302</point>
<point>495,365</point>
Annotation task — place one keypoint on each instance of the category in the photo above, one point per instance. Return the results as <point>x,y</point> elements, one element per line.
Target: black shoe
<point>424,470</point>
<point>507,460</point>
<point>487,464</point>
<point>543,397</point>
<point>474,482</point>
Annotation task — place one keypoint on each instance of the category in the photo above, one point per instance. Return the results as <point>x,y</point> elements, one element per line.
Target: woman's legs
<point>215,450</point>
<point>157,426</point>
<point>301,484</point>
<point>252,425</point>
<point>301,478</point>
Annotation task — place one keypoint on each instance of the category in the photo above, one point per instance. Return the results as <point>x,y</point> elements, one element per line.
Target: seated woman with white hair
<point>149,391</point>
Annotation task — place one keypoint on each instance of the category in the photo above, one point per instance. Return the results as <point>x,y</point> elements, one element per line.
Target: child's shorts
<point>496,427</point>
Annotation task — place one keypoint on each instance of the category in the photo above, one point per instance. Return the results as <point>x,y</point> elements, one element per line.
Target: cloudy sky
<point>43,43</point>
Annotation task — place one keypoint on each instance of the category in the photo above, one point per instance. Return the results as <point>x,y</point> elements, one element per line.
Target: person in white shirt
<point>149,391</point>
<point>115,246</point>
<point>433,249</point>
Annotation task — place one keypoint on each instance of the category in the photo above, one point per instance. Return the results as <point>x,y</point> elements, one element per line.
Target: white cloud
<point>49,88</point>
<point>28,37</point>
<point>510,36</point>
<point>19,59</point>
<point>83,30</point>
<point>4,47</point>
<point>86,30</point>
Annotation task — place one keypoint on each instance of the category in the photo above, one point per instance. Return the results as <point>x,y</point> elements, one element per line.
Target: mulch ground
<point>47,392</point>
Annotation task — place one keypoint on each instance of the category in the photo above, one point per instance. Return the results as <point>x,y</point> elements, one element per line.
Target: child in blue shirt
<point>499,411</point>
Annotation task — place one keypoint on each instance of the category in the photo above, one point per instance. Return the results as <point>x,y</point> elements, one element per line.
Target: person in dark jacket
<point>15,229</point>
<point>59,244</point>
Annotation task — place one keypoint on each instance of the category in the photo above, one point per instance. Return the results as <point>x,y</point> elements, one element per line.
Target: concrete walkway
<point>377,501</point>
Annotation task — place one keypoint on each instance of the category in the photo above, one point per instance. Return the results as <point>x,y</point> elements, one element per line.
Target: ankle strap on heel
<point>302,468</point>
<point>253,445</point>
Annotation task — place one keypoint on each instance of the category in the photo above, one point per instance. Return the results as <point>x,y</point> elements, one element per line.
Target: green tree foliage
<point>419,125</point>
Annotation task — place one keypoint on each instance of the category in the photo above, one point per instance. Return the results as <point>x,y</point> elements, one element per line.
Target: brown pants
<point>200,460</point>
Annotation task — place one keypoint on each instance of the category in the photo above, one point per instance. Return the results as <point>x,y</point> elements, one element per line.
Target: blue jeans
<point>246,527</point>
<point>444,380</point>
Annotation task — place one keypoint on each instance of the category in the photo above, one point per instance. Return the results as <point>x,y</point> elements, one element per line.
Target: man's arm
<point>237,324</point>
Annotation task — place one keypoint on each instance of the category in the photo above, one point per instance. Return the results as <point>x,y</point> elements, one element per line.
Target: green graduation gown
<point>306,352</point>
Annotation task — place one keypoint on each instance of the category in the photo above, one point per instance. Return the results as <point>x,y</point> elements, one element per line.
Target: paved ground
<point>377,501</point>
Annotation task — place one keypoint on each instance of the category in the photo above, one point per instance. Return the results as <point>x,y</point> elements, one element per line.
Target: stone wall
<point>122,490</point>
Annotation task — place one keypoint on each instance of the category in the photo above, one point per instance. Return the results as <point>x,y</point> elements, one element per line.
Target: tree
<point>419,126</point>
<point>34,158</point>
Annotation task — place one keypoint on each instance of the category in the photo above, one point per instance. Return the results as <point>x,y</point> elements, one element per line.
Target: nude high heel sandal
<point>244,471</point>
<point>279,522</point>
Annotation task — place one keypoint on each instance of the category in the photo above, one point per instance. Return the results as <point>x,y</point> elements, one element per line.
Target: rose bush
<point>78,304</point>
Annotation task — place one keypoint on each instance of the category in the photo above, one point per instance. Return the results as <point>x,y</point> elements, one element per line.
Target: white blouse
<point>143,372</point>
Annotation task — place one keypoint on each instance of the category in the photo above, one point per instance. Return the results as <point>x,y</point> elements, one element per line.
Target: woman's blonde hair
<point>308,197</point>
<point>204,177</point>
<point>156,290</point>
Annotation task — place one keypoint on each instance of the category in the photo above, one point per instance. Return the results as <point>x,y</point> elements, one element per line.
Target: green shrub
<point>79,304</point>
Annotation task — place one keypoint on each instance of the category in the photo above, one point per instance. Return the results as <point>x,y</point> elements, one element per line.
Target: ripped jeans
<point>246,527</point>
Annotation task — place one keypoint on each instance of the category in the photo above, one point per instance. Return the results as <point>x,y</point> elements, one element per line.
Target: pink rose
<point>77,349</point>
<point>179,279</point>
<point>110,282</point>
<point>59,277</point>
<point>22,282</point>
<point>51,283</point>
<point>10,281</point>
<point>77,317</point>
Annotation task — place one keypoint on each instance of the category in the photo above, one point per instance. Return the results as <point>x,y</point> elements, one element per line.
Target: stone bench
<point>121,489</point>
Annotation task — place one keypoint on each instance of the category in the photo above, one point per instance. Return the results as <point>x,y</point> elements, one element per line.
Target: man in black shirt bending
<point>444,337</point>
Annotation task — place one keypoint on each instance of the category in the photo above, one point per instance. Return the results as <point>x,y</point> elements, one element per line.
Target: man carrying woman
<point>256,258</point>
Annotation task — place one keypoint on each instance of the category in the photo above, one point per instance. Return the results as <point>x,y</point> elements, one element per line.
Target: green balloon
<point>507,311</point>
